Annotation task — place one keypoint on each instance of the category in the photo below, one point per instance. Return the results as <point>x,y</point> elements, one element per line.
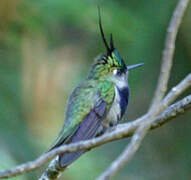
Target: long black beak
<point>134,66</point>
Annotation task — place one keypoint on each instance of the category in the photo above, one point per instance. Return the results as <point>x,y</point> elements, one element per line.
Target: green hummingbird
<point>97,103</point>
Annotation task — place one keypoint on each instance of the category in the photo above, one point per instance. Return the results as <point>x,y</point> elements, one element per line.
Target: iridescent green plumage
<point>81,101</point>
<point>104,66</point>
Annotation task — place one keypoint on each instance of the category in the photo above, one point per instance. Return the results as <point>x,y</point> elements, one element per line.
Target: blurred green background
<point>47,48</point>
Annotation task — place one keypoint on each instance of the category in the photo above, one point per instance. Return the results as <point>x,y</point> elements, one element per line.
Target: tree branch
<point>168,52</point>
<point>170,113</point>
<point>177,90</point>
<point>119,132</point>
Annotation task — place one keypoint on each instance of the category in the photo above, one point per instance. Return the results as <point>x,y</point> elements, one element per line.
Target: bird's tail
<point>66,159</point>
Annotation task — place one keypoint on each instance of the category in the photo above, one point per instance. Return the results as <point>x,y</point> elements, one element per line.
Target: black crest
<point>108,48</point>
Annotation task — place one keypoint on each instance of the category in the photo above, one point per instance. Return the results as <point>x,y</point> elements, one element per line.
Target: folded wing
<point>86,130</point>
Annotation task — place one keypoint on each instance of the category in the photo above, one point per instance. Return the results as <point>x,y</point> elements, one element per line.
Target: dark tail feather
<point>66,159</point>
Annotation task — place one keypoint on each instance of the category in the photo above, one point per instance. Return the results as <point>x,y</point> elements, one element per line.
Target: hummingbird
<point>97,103</point>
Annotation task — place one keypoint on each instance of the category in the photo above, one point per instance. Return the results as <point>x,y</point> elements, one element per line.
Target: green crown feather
<point>106,63</point>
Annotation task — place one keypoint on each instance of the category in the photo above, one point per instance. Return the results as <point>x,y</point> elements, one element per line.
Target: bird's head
<point>110,66</point>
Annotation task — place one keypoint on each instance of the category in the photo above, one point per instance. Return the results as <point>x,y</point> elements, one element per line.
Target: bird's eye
<point>117,72</point>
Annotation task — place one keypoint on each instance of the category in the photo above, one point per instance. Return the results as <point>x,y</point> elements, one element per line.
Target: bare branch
<point>125,157</point>
<point>120,131</point>
<point>177,90</point>
<point>168,51</point>
<point>171,112</point>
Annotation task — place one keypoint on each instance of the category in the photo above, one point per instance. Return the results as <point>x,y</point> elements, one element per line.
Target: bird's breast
<point>118,107</point>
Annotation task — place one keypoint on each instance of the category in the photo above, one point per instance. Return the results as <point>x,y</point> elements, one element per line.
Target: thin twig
<point>177,90</point>
<point>168,52</point>
<point>119,132</point>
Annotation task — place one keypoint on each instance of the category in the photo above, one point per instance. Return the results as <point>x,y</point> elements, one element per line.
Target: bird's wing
<point>87,129</point>
<point>86,109</point>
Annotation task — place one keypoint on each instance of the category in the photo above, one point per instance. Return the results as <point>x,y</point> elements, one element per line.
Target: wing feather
<point>87,129</point>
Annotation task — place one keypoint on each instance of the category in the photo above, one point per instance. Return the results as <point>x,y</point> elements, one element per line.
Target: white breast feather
<point>115,111</point>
